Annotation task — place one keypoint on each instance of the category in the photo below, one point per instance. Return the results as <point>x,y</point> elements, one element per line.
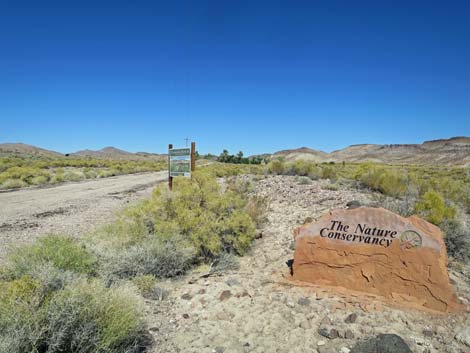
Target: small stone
<point>154,329</point>
<point>345,350</point>
<point>325,321</point>
<point>351,318</point>
<point>226,294</point>
<point>419,341</point>
<point>185,316</point>
<point>349,335</point>
<point>428,333</point>
<point>321,343</point>
<point>218,350</point>
<point>186,296</point>
<point>304,301</point>
<point>333,334</point>
<point>305,324</point>
<point>201,291</point>
<point>463,336</point>
<point>290,304</point>
<point>232,282</point>
<point>324,332</point>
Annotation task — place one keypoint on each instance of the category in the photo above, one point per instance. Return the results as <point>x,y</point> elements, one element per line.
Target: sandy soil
<point>71,208</point>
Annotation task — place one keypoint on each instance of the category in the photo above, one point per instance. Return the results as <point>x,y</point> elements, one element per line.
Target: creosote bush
<point>433,207</point>
<point>61,252</point>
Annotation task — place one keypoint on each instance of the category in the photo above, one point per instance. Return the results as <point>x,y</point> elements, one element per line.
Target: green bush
<point>433,207</point>
<point>88,317</point>
<point>328,173</point>
<point>158,257</point>
<point>147,286</point>
<point>13,184</point>
<point>300,167</point>
<point>21,326</point>
<point>62,252</point>
<point>276,167</point>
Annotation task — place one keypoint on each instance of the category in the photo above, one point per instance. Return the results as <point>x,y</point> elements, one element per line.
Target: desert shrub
<point>433,208</point>
<point>23,173</point>
<point>90,173</point>
<point>224,263</point>
<point>300,167</point>
<point>13,184</point>
<point>62,252</point>
<point>158,257</point>
<point>304,180</point>
<point>387,182</point>
<point>88,317</point>
<point>212,219</point>
<point>257,208</point>
<point>39,180</point>
<point>70,175</point>
<point>457,239</point>
<point>276,167</point>
<point>20,320</point>
<point>328,173</point>
<point>147,286</point>
<point>331,186</point>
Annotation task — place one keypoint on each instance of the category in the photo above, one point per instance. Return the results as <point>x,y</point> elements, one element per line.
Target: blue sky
<point>257,76</point>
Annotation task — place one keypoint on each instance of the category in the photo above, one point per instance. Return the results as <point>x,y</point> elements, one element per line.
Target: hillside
<point>24,149</point>
<point>455,150</point>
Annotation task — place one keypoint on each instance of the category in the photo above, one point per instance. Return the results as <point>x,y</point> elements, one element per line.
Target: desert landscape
<point>237,295</point>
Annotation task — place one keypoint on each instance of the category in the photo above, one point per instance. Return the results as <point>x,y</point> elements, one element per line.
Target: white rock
<point>464,336</point>
<point>321,343</point>
<point>345,350</point>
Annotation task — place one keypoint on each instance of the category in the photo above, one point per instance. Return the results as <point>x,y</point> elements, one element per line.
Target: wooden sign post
<point>181,162</point>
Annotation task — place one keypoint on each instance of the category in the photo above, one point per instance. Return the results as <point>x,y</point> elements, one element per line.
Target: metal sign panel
<point>180,162</point>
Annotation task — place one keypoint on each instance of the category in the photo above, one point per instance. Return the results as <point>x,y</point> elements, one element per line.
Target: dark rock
<point>185,316</point>
<point>154,329</point>
<point>351,318</point>
<point>186,296</point>
<point>325,321</point>
<point>383,343</point>
<point>328,333</point>
<point>219,349</point>
<point>201,291</point>
<point>428,333</point>
<point>304,301</point>
<point>353,204</point>
<point>226,294</point>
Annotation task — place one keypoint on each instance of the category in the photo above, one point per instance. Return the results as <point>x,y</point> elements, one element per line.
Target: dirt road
<point>71,208</point>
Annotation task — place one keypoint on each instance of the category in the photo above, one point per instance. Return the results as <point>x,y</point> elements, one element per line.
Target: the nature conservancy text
<point>361,234</point>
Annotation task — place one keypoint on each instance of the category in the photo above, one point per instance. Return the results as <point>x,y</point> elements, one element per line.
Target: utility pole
<point>170,178</point>
<point>193,157</point>
<point>187,140</point>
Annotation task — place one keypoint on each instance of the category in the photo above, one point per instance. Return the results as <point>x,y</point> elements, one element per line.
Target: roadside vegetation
<point>18,172</point>
<point>439,194</point>
<point>86,295</point>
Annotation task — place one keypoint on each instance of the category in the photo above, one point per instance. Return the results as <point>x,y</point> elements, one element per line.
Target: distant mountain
<point>455,150</point>
<point>116,153</point>
<point>22,149</point>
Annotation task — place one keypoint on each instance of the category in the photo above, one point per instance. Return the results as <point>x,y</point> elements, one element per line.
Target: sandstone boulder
<point>376,251</point>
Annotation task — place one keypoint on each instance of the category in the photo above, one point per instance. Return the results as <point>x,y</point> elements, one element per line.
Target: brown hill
<point>116,153</point>
<point>455,150</point>
<point>22,149</point>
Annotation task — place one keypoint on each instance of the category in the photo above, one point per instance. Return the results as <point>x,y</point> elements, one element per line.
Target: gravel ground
<point>257,309</point>
<point>71,208</point>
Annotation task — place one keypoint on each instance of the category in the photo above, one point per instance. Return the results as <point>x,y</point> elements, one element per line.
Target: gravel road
<point>72,208</point>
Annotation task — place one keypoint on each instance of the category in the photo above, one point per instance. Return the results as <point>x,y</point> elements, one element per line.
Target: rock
<point>345,350</point>
<point>185,316</point>
<point>351,318</point>
<point>383,343</point>
<point>218,350</point>
<point>324,349</point>
<point>232,282</point>
<point>226,294</point>
<point>328,333</point>
<point>186,296</point>
<point>463,336</point>
<point>303,301</point>
<point>359,248</point>
<point>348,334</point>
<point>201,291</point>
<point>353,204</point>
<point>428,333</point>
<point>320,343</point>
